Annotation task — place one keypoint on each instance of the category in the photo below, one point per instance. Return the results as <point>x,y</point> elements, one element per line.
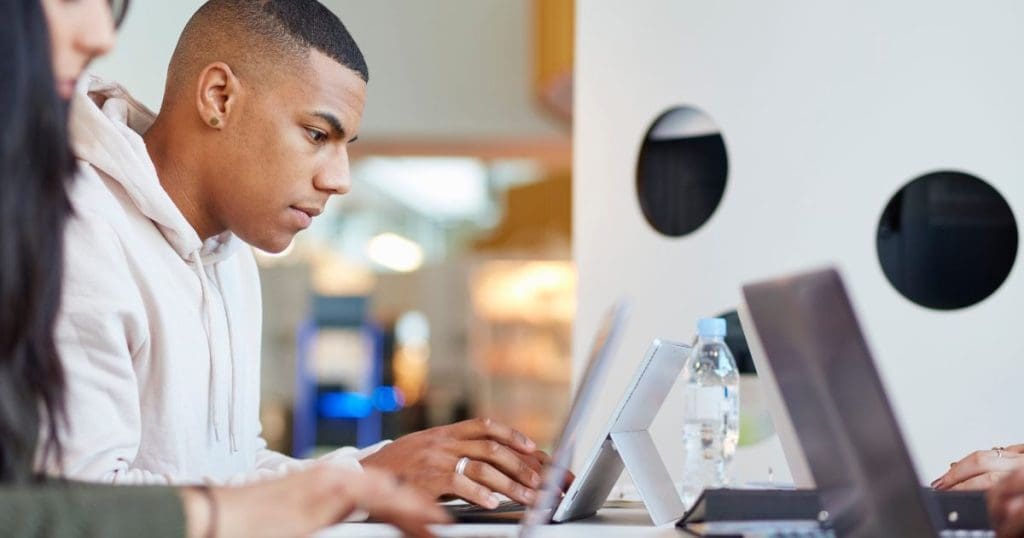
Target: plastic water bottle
<point>711,410</point>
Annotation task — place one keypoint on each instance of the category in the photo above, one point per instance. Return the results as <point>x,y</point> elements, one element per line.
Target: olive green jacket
<point>76,509</point>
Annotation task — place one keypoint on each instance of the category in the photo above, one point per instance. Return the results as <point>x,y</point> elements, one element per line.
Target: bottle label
<point>705,403</point>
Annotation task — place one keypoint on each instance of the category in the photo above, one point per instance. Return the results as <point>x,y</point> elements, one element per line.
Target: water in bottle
<point>711,407</point>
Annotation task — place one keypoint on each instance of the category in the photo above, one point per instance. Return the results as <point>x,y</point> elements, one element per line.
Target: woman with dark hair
<point>44,46</point>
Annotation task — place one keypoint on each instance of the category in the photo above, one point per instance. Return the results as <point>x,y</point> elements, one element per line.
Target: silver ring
<point>460,467</point>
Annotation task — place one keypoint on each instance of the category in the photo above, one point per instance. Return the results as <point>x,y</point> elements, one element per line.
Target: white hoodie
<point>159,332</point>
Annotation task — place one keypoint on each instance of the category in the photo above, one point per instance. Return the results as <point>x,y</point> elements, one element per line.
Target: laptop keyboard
<point>783,531</point>
<point>503,506</point>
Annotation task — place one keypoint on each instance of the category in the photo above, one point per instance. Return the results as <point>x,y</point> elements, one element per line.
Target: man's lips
<point>306,214</point>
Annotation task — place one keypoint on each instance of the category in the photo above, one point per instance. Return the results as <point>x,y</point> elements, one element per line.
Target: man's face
<point>287,152</point>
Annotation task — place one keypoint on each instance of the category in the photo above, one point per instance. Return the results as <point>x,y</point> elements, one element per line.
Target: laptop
<point>550,495</point>
<point>812,343</point>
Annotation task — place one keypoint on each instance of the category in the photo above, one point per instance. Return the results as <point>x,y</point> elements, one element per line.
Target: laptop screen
<point>835,398</point>
<point>593,373</point>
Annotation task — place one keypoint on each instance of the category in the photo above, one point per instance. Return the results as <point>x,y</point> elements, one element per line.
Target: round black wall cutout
<point>947,240</point>
<point>681,171</point>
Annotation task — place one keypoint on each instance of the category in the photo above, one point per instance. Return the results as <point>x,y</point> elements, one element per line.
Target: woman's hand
<point>981,469</point>
<point>304,502</point>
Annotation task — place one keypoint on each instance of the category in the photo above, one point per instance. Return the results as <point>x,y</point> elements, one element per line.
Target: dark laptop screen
<point>836,401</point>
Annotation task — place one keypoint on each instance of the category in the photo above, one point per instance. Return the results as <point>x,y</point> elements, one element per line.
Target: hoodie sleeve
<point>99,329</point>
<point>273,464</point>
<point>345,456</point>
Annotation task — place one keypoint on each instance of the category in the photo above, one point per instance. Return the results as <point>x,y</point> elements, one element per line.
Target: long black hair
<point>35,166</point>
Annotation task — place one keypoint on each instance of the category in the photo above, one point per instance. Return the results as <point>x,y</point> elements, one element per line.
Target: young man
<point>160,323</point>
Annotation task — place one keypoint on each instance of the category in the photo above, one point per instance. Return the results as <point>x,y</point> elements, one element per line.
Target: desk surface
<point>607,523</point>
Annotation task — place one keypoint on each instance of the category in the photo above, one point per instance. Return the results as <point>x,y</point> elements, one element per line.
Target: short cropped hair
<point>253,35</point>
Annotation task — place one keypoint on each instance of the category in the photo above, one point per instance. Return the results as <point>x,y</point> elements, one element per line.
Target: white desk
<point>750,464</point>
<point>608,522</point>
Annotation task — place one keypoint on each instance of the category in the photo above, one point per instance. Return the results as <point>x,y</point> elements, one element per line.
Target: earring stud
<point>214,121</point>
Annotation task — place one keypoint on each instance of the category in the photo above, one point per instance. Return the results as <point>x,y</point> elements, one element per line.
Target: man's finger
<point>473,492</point>
<point>508,461</point>
<point>483,473</point>
<point>485,428</point>
<point>567,482</point>
<point>536,463</point>
<point>542,457</point>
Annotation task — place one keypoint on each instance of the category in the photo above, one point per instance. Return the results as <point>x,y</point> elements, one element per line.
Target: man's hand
<point>981,469</point>
<point>501,460</point>
<point>1006,505</point>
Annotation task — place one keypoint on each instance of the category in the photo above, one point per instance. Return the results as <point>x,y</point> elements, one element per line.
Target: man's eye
<point>316,135</point>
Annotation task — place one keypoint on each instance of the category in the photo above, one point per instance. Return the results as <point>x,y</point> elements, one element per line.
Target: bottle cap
<point>711,327</point>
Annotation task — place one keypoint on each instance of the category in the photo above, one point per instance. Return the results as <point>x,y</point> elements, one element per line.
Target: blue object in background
<point>344,405</point>
<point>388,399</point>
<point>340,404</point>
<point>318,406</point>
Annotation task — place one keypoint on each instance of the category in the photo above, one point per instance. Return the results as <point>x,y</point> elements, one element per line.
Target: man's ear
<point>217,94</point>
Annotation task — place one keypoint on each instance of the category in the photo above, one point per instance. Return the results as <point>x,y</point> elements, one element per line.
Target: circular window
<point>947,240</point>
<point>681,171</point>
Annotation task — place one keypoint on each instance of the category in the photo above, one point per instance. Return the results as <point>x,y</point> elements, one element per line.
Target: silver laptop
<point>550,495</point>
<point>818,357</point>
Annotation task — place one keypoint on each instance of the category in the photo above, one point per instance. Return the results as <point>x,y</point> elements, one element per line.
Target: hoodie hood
<point>106,128</point>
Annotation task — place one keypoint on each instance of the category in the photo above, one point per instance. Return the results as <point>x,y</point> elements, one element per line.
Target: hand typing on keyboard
<point>471,460</point>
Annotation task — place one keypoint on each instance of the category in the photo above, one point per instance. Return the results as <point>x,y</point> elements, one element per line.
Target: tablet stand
<point>626,443</point>
<point>649,474</point>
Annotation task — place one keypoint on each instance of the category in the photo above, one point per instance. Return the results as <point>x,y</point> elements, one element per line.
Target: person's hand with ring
<point>473,460</point>
<point>981,469</point>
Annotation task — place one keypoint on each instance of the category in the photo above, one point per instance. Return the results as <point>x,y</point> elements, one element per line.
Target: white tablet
<point>626,443</point>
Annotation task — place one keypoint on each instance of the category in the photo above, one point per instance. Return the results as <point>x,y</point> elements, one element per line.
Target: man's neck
<point>179,177</point>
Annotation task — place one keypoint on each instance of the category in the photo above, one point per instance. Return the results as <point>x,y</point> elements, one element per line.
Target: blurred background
<point>441,287</point>
<point>713,143</point>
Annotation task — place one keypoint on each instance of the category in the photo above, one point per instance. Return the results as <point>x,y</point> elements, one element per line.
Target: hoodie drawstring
<point>215,366</point>
<point>233,410</point>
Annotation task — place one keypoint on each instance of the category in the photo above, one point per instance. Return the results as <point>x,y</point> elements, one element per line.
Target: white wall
<point>439,69</point>
<point>145,42</point>
<point>826,111</point>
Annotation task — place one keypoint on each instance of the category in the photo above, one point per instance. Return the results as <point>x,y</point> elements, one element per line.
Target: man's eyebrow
<point>333,121</point>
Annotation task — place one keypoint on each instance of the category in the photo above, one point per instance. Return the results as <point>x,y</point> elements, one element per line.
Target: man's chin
<point>275,245</point>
